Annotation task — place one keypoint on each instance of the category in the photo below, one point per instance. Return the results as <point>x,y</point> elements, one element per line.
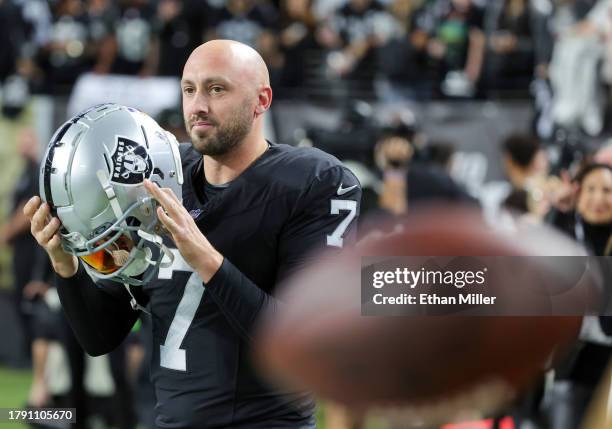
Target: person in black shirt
<point>27,263</point>
<point>253,212</point>
<point>245,21</point>
<point>456,44</point>
<point>180,28</point>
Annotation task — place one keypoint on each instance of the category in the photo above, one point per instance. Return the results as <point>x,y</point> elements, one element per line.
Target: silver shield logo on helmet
<point>131,162</point>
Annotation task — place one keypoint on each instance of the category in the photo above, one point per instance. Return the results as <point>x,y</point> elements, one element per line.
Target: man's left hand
<point>191,243</point>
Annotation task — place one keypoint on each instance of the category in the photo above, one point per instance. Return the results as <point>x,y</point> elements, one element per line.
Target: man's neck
<point>225,168</point>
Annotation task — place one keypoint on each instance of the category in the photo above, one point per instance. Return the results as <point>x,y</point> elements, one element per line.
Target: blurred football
<point>431,367</point>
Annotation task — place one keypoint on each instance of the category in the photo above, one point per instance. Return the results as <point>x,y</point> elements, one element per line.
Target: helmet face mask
<point>92,177</point>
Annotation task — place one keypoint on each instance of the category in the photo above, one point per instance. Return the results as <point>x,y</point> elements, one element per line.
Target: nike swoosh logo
<point>342,191</point>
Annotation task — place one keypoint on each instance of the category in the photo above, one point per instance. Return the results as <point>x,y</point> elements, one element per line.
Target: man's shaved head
<point>226,87</point>
<point>236,57</point>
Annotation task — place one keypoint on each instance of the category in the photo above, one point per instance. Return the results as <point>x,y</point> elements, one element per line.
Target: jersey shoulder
<point>299,166</point>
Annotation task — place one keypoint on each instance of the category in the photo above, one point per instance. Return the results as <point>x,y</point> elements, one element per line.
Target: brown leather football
<point>431,367</point>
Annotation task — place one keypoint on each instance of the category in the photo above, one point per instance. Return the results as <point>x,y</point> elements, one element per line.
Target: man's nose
<point>199,105</point>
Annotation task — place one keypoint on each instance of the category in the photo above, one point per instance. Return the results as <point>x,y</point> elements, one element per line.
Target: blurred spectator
<point>244,21</point>
<point>298,41</point>
<point>588,215</point>
<point>37,16</point>
<point>27,258</point>
<point>354,32</point>
<point>528,185</point>
<point>406,183</point>
<point>68,53</point>
<point>134,53</point>
<point>39,395</point>
<point>323,9</point>
<point>21,32</point>
<point>101,16</point>
<point>393,154</point>
<point>254,23</point>
<point>524,160</point>
<point>38,24</point>
<point>418,181</point>
<point>182,25</point>
<point>269,46</point>
<point>590,223</point>
<point>457,45</point>
<point>510,47</point>
<point>353,137</point>
<point>402,58</point>
<point>57,377</point>
<point>12,37</point>
<point>578,99</point>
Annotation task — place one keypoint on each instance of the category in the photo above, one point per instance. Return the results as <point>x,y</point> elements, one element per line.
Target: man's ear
<point>264,100</point>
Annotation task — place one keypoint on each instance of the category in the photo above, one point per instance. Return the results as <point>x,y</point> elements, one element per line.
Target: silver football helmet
<point>92,177</point>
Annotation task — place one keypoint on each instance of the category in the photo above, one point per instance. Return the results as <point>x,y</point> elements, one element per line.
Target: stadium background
<point>457,76</point>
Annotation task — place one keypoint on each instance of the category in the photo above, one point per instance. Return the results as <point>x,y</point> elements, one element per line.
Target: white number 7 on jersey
<point>171,355</point>
<point>335,238</point>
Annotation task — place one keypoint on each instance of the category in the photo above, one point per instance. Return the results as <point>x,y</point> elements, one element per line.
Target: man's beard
<point>225,137</point>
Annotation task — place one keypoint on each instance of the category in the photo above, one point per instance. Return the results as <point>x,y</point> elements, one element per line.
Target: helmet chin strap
<point>133,302</point>
<point>110,194</point>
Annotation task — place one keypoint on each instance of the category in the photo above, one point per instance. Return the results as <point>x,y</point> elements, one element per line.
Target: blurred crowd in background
<point>553,51</point>
<point>358,56</point>
<point>368,48</point>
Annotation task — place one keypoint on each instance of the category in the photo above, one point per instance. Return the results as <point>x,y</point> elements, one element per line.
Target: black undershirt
<point>211,191</point>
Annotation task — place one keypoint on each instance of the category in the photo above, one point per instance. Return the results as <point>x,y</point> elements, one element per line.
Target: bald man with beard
<point>252,213</point>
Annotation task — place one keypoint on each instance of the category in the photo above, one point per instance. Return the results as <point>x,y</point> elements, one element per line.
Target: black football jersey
<point>267,223</point>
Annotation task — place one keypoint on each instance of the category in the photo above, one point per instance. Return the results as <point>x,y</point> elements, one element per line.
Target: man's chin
<point>201,139</point>
<point>199,144</point>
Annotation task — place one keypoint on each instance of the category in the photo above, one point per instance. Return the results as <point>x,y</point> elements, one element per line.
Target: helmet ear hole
<point>157,172</point>
<point>133,221</point>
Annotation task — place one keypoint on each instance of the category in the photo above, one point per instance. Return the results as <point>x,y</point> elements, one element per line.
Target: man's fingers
<point>156,192</point>
<point>31,206</point>
<point>166,220</point>
<point>161,196</point>
<point>55,242</point>
<point>172,196</point>
<point>48,231</point>
<point>39,219</point>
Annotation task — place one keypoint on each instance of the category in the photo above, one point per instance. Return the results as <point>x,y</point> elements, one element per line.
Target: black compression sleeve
<point>100,317</point>
<point>238,298</point>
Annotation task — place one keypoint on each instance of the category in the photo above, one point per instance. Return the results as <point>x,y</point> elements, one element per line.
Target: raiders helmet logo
<point>131,162</point>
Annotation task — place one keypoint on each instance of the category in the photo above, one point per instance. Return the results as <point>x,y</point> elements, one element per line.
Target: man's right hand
<point>45,231</point>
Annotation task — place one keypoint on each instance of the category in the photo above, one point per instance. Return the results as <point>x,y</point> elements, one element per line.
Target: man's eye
<point>188,90</point>
<point>216,89</point>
